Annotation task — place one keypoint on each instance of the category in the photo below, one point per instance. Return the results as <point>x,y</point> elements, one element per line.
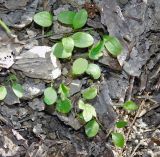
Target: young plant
<point>76,20</point>
<point>91,128</point>
<point>94,70</point>
<point>88,110</point>
<point>50,96</point>
<point>130,106</point>
<point>44,19</point>
<point>3,92</point>
<point>79,67</point>
<point>89,93</point>
<point>118,139</point>
<point>113,45</point>
<point>64,91</point>
<point>121,124</point>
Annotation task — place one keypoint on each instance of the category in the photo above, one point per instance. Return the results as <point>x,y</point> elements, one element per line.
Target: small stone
<point>32,89</point>
<point>38,129</point>
<point>37,105</point>
<point>75,87</point>
<point>123,1</point>
<point>64,71</point>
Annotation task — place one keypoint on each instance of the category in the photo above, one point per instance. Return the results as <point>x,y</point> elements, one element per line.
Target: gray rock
<point>37,105</point>
<point>39,62</point>
<point>32,89</point>
<point>15,4</point>
<point>75,87</point>
<point>11,98</point>
<point>104,109</point>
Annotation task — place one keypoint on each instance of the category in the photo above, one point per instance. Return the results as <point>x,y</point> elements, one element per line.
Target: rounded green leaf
<point>91,128</point>
<point>50,96</point>
<point>130,106</point>
<point>66,17</point>
<point>68,44</point>
<point>121,124</point>
<point>94,70</point>
<point>79,66</point>
<point>113,45</point>
<point>64,106</point>
<point>3,92</point>
<point>80,19</point>
<point>82,39</point>
<point>18,90</point>
<point>43,19</point>
<point>118,139</point>
<point>89,93</point>
<point>96,51</point>
<point>59,51</point>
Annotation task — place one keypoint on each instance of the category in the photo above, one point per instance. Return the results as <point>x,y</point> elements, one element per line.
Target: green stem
<point>5,27</point>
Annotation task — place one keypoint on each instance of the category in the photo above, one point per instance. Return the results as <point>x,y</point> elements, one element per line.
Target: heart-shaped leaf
<point>96,51</point>
<point>91,128</point>
<point>50,96</point>
<point>80,19</point>
<point>59,51</point>
<point>64,91</point>
<point>68,44</point>
<point>89,93</point>
<point>66,17</point>
<point>118,139</point>
<point>121,124</point>
<point>3,92</point>
<point>79,66</point>
<point>130,106</point>
<point>43,19</point>
<point>82,40</point>
<point>94,70</point>
<point>64,106</point>
<point>17,89</point>
<point>113,45</point>
<point>88,111</point>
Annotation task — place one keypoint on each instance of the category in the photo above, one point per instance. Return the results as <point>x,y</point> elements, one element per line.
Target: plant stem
<point>5,27</point>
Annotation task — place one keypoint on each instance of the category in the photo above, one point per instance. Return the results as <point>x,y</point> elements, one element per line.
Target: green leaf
<point>79,66</point>
<point>82,40</point>
<point>66,17</point>
<point>94,70</point>
<point>3,92</point>
<point>59,51</point>
<point>130,106</point>
<point>50,96</point>
<point>13,78</point>
<point>91,128</point>
<point>121,124</point>
<point>17,89</point>
<point>89,93</point>
<point>88,111</point>
<point>80,19</point>
<point>64,106</point>
<point>68,44</point>
<point>96,51</point>
<point>113,45</point>
<point>64,91</point>
<point>118,139</point>
<point>43,19</point>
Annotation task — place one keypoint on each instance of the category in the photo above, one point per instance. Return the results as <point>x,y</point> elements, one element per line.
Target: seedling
<point>64,91</point>
<point>64,106</point>
<point>3,92</point>
<point>118,139</point>
<point>130,106</point>
<point>76,20</point>
<point>79,67</point>
<point>90,93</point>
<point>121,124</point>
<point>113,45</point>
<point>43,19</point>
<point>50,96</point>
<point>88,110</point>
<point>91,128</point>
<point>94,70</point>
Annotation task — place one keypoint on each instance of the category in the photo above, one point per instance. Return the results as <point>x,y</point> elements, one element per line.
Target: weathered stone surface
<point>37,105</point>
<point>39,62</point>
<point>75,87</point>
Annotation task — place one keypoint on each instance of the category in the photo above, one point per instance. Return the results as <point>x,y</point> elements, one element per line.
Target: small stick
<point>130,88</point>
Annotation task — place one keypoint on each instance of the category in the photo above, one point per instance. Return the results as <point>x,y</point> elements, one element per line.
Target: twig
<point>130,88</point>
<point>138,112</point>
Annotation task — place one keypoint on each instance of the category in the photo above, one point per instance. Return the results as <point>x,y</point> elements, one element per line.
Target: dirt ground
<point>28,128</point>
